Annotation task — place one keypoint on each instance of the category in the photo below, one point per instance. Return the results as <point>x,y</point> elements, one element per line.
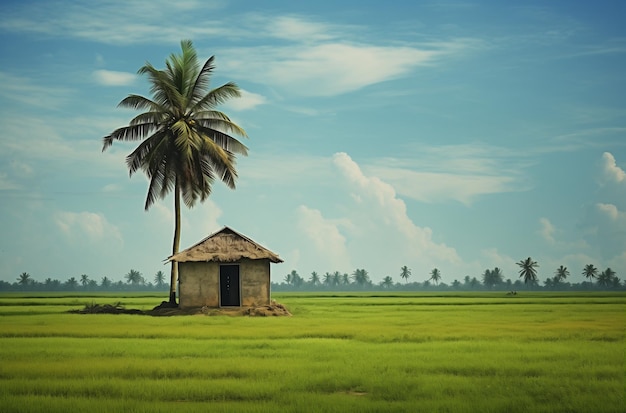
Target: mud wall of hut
<point>199,283</point>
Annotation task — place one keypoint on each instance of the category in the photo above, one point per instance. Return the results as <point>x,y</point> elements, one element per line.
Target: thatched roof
<point>225,245</point>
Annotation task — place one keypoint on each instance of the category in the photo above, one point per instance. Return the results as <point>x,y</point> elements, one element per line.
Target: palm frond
<point>154,118</point>
<point>217,97</point>
<point>214,120</point>
<point>139,102</point>
<point>202,82</point>
<point>141,155</point>
<point>224,141</point>
<point>127,133</point>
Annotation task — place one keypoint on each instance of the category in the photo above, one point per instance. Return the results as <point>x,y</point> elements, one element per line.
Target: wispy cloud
<point>453,172</point>
<point>331,68</point>
<point>247,101</point>
<point>110,21</point>
<point>113,78</point>
<point>87,225</point>
<point>23,90</point>
<point>313,59</point>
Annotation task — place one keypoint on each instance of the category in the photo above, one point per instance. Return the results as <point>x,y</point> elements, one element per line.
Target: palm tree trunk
<point>174,273</point>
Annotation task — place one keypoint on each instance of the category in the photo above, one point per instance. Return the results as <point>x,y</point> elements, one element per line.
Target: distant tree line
<point>133,281</point>
<point>489,280</point>
<point>358,280</point>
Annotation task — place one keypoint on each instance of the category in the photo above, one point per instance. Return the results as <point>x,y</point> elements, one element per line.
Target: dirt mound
<point>166,309</point>
<point>273,309</point>
<point>117,308</point>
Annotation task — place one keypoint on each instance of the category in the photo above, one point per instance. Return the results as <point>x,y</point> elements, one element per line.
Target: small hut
<point>226,269</point>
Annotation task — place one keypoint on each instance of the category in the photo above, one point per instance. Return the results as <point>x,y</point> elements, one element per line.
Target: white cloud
<point>293,27</point>
<point>326,69</point>
<point>611,211</point>
<point>439,187</point>
<point>547,230</point>
<point>113,78</point>
<point>390,212</point>
<point>248,100</point>
<point>112,22</point>
<point>86,225</point>
<point>612,172</point>
<point>328,241</point>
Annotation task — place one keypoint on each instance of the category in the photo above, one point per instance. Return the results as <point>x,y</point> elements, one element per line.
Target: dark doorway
<point>229,286</point>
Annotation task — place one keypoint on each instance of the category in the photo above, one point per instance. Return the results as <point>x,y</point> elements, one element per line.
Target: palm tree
<point>345,279</point>
<point>287,278</point>
<point>405,272</point>
<point>492,278</point>
<point>605,279</point>
<point>186,142</point>
<point>71,283</point>
<point>328,278</point>
<point>360,277</point>
<point>387,282</point>
<point>528,270</point>
<point>314,279</point>
<point>561,273</point>
<point>105,282</point>
<point>590,271</point>
<point>336,278</point>
<point>435,275</point>
<point>159,278</point>
<point>84,280</point>
<point>24,279</point>
<point>134,277</point>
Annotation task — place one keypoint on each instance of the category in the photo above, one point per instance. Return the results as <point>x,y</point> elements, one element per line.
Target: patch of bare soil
<point>165,309</point>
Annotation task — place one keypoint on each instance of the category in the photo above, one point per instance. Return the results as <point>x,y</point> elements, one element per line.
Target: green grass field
<point>482,352</point>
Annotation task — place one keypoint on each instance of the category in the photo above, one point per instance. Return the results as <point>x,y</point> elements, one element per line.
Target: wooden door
<point>229,286</point>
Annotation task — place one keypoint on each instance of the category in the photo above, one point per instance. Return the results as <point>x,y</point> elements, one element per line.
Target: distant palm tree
<point>435,276</point>
<point>105,282</point>
<point>314,279</point>
<point>528,270</point>
<point>492,278</point>
<point>561,273</point>
<point>605,279</point>
<point>345,279</point>
<point>616,283</point>
<point>24,279</point>
<point>186,143</point>
<point>336,278</point>
<point>287,278</point>
<point>134,277</point>
<point>71,283</point>
<point>405,272</point>
<point>159,279</point>
<point>360,277</point>
<point>328,278</point>
<point>387,282</point>
<point>590,271</point>
<point>84,280</point>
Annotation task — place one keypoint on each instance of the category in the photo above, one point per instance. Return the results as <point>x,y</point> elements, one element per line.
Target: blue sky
<point>461,135</point>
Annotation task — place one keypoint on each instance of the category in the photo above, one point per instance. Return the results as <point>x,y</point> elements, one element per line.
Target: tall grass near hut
<point>358,352</point>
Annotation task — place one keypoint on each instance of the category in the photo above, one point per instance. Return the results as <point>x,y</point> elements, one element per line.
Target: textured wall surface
<point>200,283</point>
